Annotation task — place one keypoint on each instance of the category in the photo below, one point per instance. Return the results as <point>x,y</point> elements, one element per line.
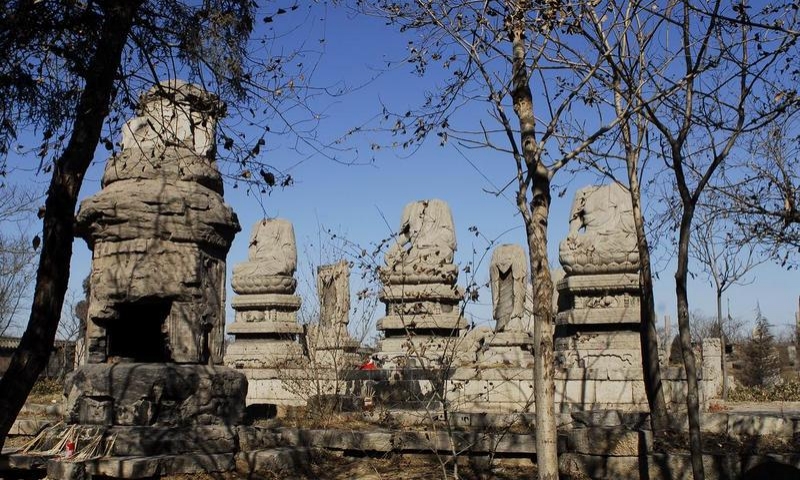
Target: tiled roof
<point>10,343</point>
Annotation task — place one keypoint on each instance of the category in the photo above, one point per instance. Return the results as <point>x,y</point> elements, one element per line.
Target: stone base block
<point>418,351</point>
<point>266,329</point>
<point>599,282</point>
<point>612,358</point>
<point>152,394</point>
<point>603,350</point>
<point>599,316</point>
<point>500,355</point>
<point>411,323</point>
<point>142,467</point>
<point>336,358</point>
<point>264,353</point>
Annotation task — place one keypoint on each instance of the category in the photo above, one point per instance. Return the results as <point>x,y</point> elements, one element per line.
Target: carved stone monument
<point>330,343</point>
<point>598,316</point>
<point>512,341</point>
<point>419,287</point>
<point>266,329</point>
<point>159,231</point>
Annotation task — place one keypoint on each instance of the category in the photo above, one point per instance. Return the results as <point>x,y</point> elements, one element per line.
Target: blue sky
<point>364,202</point>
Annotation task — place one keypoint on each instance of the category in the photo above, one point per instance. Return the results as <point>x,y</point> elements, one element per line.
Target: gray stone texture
<point>133,394</point>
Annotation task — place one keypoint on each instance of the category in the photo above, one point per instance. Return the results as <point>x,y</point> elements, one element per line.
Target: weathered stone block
<point>155,394</point>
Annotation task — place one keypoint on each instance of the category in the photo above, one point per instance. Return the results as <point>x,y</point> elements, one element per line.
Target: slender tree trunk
<point>659,416</point>
<point>722,342</point>
<point>796,335</point>
<point>52,277</point>
<point>536,219</point>
<point>692,396</point>
<point>543,383</point>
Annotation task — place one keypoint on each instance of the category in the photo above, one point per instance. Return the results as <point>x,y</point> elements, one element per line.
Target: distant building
<point>61,361</point>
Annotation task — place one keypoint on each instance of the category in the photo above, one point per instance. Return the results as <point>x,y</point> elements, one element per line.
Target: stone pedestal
<point>332,347</point>
<point>597,324</point>
<point>423,324</point>
<point>151,394</point>
<point>505,349</point>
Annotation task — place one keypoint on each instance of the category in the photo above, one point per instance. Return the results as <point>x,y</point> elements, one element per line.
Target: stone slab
<point>609,282</point>
<point>29,426</point>
<point>443,321</point>
<point>599,316</point>
<point>408,292</point>
<point>266,300</point>
<point>141,467</point>
<point>509,338</point>
<point>611,441</point>
<point>288,328</point>
<point>280,462</point>
<point>145,441</point>
<point>499,356</point>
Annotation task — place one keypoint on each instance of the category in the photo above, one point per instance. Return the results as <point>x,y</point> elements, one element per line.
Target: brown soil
<point>678,442</point>
<point>329,466</point>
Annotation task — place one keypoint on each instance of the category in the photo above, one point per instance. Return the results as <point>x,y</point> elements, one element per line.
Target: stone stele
<point>329,342</point>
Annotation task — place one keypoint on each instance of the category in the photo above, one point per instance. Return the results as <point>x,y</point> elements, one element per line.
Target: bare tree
<point>624,32</point>
<point>761,194</point>
<point>17,252</point>
<point>72,71</point>
<point>727,263</point>
<point>521,56</point>
<point>732,62</point>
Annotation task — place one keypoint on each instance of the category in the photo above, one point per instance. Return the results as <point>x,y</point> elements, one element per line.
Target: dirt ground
<point>327,466</point>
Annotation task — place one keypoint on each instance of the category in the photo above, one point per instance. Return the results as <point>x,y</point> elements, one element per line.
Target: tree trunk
<point>796,335</point>
<point>692,397</point>
<point>659,416</point>
<point>543,383</point>
<point>52,276</point>
<point>722,342</point>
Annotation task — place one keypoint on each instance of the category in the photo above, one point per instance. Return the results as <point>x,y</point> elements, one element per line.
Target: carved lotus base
<point>419,273</point>
<point>252,282</point>
<point>579,258</point>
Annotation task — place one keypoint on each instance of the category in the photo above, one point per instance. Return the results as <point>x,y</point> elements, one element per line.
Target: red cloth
<point>368,365</point>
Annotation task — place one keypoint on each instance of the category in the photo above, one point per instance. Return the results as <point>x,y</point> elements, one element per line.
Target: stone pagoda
<point>423,320</point>
<point>159,231</point>
<point>266,328</point>
<point>512,340</point>
<point>599,303</point>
